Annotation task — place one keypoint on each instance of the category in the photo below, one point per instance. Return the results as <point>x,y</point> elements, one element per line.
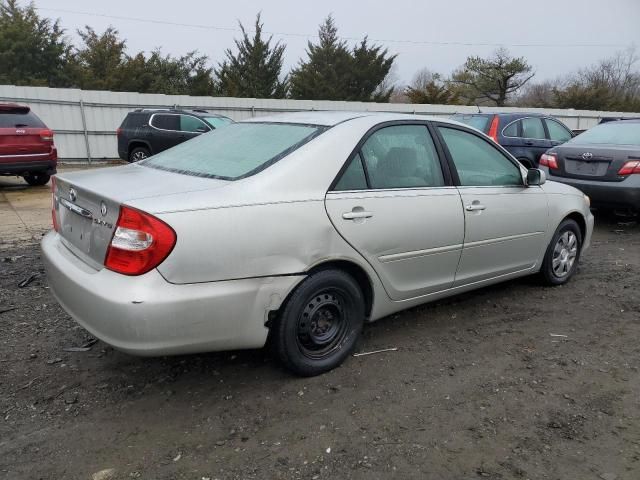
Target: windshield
<point>613,133</point>
<point>236,151</point>
<point>476,121</point>
<point>217,122</point>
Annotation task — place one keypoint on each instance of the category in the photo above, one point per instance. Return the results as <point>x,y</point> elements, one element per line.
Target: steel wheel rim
<point>322,326</point>
<point>565,252</point>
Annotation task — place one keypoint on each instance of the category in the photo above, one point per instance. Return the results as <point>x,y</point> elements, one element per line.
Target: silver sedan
<point>298,229</point>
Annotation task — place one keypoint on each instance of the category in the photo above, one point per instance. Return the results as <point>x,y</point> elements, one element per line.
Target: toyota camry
<point>297,229</point>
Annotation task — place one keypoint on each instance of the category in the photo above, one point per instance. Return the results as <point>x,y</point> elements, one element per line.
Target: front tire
<point>320,323</point>
<point>563,253</point>
<point>37,179</point>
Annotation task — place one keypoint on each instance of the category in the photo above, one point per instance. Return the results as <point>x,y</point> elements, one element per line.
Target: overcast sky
<point>435,34</point>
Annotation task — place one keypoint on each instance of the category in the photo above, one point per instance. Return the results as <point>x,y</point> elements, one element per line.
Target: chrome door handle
<point>357,214</point>
<point>474,207</point>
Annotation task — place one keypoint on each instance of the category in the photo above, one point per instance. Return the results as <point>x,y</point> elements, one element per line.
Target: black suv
<point>525,135</point>
<point>145,132</point>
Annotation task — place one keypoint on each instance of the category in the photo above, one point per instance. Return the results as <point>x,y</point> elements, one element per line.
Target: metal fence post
<point>86,133</point>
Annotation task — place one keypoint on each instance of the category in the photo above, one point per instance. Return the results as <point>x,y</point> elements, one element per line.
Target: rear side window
<point>20,120</point>
<point>481,122</point>
<point>402,156</point>
<point>353,177</point>
<point>192,124</point>
<point>533,128</point>
<point>479,163</point>
<point>557,131</point>
<point>166,121</point>
<point>511,130</point>
<point>236,151</point>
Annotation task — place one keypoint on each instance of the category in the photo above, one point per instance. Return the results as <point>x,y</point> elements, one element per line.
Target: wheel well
<point>579,219</point>
<point>526,162</point>
<point>359,275</point>
<point>136,144</point>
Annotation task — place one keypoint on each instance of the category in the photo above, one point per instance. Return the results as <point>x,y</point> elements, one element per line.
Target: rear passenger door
<point>527,140</point>
<point>505,221</point>
<point>395,204</point>
<point>165,131</point>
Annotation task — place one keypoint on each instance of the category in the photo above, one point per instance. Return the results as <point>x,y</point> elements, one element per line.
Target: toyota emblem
<point>587,155</point>
<point>103,209</point>
<point>73,196</point>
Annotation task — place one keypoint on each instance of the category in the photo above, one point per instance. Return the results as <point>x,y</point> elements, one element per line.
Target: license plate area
<point>76,227</point>
<point>588,169</point>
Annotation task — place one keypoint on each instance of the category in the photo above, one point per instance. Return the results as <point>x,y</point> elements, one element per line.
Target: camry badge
<point>73,196</point>
<point>103,209</point>
<point>587,155</point>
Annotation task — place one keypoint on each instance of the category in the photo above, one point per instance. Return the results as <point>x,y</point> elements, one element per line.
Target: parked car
<point>603,162</point>
<point>301,227</point>
<point>145,132</point>
<point>525,135</point>
<point>26,145</point>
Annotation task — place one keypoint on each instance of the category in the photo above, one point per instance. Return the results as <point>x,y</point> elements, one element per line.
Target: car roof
<point>195,112</point>
<point>330,119</point>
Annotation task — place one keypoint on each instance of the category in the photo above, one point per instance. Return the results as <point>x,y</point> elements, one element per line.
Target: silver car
<point>298,229</point>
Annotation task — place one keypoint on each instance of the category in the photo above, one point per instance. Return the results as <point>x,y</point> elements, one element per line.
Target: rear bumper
<point>23,164</point>
<point>624,194</point>
<point>146,315</point>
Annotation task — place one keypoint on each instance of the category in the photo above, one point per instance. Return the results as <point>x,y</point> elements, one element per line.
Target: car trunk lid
<point>22,141</point>
<point>593,162</point>
<point>87,203</point>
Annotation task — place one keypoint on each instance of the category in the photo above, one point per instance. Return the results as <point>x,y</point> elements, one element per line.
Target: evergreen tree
<point>430,88</point>
<point>254,71</point>
<point>33,50</point>
<point>333,72</point>
<point>495,78</point>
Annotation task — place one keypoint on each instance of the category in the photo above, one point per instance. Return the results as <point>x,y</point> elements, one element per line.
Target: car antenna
<point>478,107</point>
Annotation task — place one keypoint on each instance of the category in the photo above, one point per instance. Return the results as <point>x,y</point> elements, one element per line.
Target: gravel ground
<point>512,381</point>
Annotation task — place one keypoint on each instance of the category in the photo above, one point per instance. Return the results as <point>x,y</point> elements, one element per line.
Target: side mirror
<point>535,177</point>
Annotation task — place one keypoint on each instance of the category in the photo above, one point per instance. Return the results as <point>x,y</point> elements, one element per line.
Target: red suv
<point>26,145</point>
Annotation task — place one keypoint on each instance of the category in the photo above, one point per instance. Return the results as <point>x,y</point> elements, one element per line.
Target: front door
<point>505,221</point>
<point>395,206</point>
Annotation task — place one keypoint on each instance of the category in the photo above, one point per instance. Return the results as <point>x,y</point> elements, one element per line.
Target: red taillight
<point>549,160</point>
<point>630,168</point>
<point>140,243</point>
<point>54,216</point>
<point>46,135</point>
<point>493,129</point>
<point>118,131</point>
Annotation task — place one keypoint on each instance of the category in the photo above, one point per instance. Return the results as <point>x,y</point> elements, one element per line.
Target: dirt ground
<point>512,381</point>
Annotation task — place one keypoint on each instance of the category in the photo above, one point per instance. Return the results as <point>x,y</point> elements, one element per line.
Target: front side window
<point>533,128</point>
<point>557,131</point>
<point>479,163</point>
<point>402,156</point>
<point>192,124</point>
<point>236,151</point>
<point>166,121</point>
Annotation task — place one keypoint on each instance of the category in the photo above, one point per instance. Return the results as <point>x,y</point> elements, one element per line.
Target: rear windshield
<point>217,122</point>
<point>481,122</point>
<point>20,120</point>
<point>613,133</point>
<point>236,151</point>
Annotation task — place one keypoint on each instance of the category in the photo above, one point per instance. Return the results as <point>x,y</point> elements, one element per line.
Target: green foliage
<point>333,72</point>
<point>33,50</point>
<point>494,78</point>
<point>432,89</point>
<point>254,71</point>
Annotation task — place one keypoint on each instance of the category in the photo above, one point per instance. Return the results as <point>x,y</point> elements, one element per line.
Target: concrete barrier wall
<point>85,121</point>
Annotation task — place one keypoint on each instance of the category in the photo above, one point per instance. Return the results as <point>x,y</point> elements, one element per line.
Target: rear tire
<point>563,254</point>
<point>139,153</point>
<point>320,324</point>
<point>37,179</point>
